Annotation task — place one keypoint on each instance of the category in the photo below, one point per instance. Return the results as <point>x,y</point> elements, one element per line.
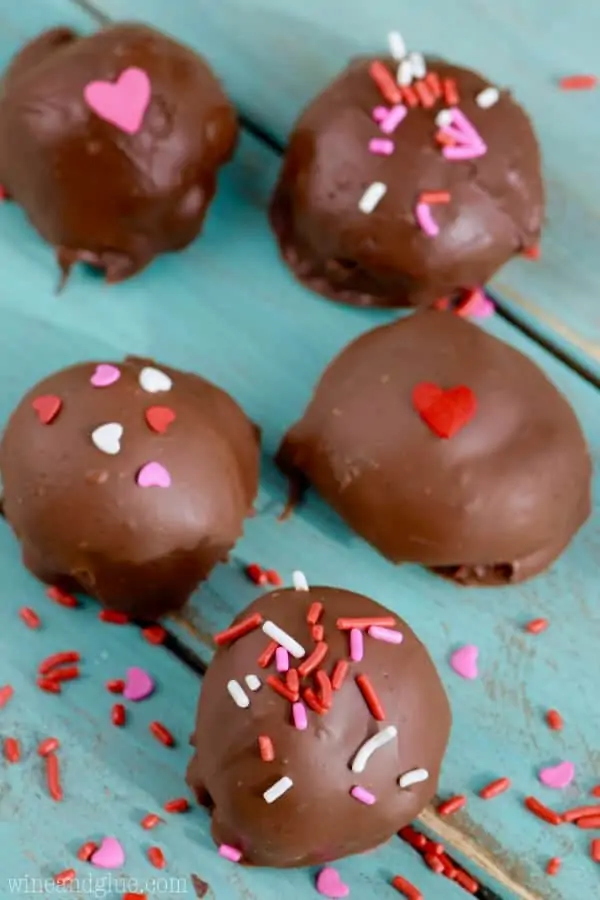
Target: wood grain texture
<point>229,309</point>
<point>274,57</point>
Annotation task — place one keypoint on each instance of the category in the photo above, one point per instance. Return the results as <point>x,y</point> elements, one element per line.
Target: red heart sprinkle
<point>159,418</point>
<point>47,407</point>
<point>444,412</point>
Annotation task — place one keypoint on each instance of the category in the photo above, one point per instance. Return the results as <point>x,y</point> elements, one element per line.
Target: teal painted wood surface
<point>274,57</point>
<point>227,308</point>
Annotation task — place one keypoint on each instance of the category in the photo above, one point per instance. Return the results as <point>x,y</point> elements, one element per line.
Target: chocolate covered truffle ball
<point>111,144</point>
<point>440,444</point>
<point>321,729</point>
<point>397,195</point>
<point>128,481</point>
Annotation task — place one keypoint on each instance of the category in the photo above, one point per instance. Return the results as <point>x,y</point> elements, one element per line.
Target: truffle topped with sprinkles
<point>407,180</point>
<point>128,481</point>
<point>321,729</point>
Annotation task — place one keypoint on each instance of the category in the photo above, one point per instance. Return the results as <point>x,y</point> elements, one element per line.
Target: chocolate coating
<point>84,522</point>
<point>100,195</point>
<point>383,258</point>
<point>495,503</point>
<point>317,820</point>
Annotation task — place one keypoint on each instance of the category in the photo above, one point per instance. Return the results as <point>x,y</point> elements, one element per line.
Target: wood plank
<point>281,339</point>
<point>275,57</point>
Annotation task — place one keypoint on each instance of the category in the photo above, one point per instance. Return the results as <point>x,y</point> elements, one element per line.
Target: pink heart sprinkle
<point>476,305</point>
<point>105,375</point>
<point>139,684</point>
<point>153,475</point>
<point>559,776</point>
<point>329,884</point>
<point>109,855</point>
<point>464,661</point>
<point>122,103</point>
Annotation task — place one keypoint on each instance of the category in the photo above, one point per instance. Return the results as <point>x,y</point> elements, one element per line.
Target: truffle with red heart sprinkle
<point>441,445</point>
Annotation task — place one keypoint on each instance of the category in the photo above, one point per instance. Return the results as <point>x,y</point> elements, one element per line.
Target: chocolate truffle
<point>440,444</point>
<point>326,746</point>
<point>400,196</point>
<point>128,481</point>
<point>111,144</point>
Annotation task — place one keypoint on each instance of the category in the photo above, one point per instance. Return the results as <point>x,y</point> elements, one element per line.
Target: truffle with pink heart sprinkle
<point>148,474</point>
<point>126,118</point>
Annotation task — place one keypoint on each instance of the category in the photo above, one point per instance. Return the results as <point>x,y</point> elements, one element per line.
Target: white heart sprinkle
<point>108,438</point>
<point>154,381</point>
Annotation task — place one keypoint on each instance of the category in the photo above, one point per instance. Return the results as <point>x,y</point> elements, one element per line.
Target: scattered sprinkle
<point>266,657</point>
<point>238,694</point>
<point>417,64</point>
<point>156,858</point>
<point>542,812</point>
<point>553,866</point>
<point>109,855</point>
<point>397,45</point>
<point>405,888</point>
<point>299,716</point>
<point>154,381</point>
<point>444,118</point>
<point>292,680</point>
<point>230,853</point>
<point>356,645</point>
<point>47,408</point>
<point>282,689</point>
<point>154,634</point>
<point>49,685</point>
<point>425,96</point>
<point>112,617</point>
<point>162,734</point>
<point>580,812</point>
<point>238,631</point>
<point>558,777</point>
<point>595,791</point>
<point>253,682</point>
<point>314,613</point>
<point>488,97</point>
<point>338,676</point>
<point>282,659</point>
<point>150,821</point>
<point>30,617</point>
<point>450,92</point>
<point>595,850</point>
<point>404,74</point>
<point>47,746</point>
<point>278,789</point>
<point>325,689</point>
<point>159,418</point>
<point>495,788</point>
<point>385,82</point>
<point>475,303</point>
<point>256,574</point>
<point>105,375</point>
<point>299,581</point>
<point>363,796</point>
<point>62,597</point>
<point>58,659</point>
<point>6,694</point>
<point>578,82</point>
<point>533,253</point>
<point>12,750</point>
<point>118,715</point>
<point>178,805</point>
<point>452,805</point>
<point>115,686</point>
<point>366,622</point>
<point>274,578</point>
<point>370,746</point>
<point>139,684</point>
<point>86,851</point>
<point>410,97</point>
<point>381,146</point>
<point>415,776</point>
<point>554,720</point>
<point>589,822</point>
<point>464,661</point>
<point>434,84</point>
<point>536,626</point>
<point>329,884</point>
<point>393,118</point>
<point>372,197</point>
<point>318,633</point>
<point>283,639</point>
<point>153,474</point>
<point>266,748</point>
<point>53,777</point>
<point>385,634</point>
<point>65,877</point>
<point>370,696</point>
<point>107,438</point>
<point>313,702</point>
